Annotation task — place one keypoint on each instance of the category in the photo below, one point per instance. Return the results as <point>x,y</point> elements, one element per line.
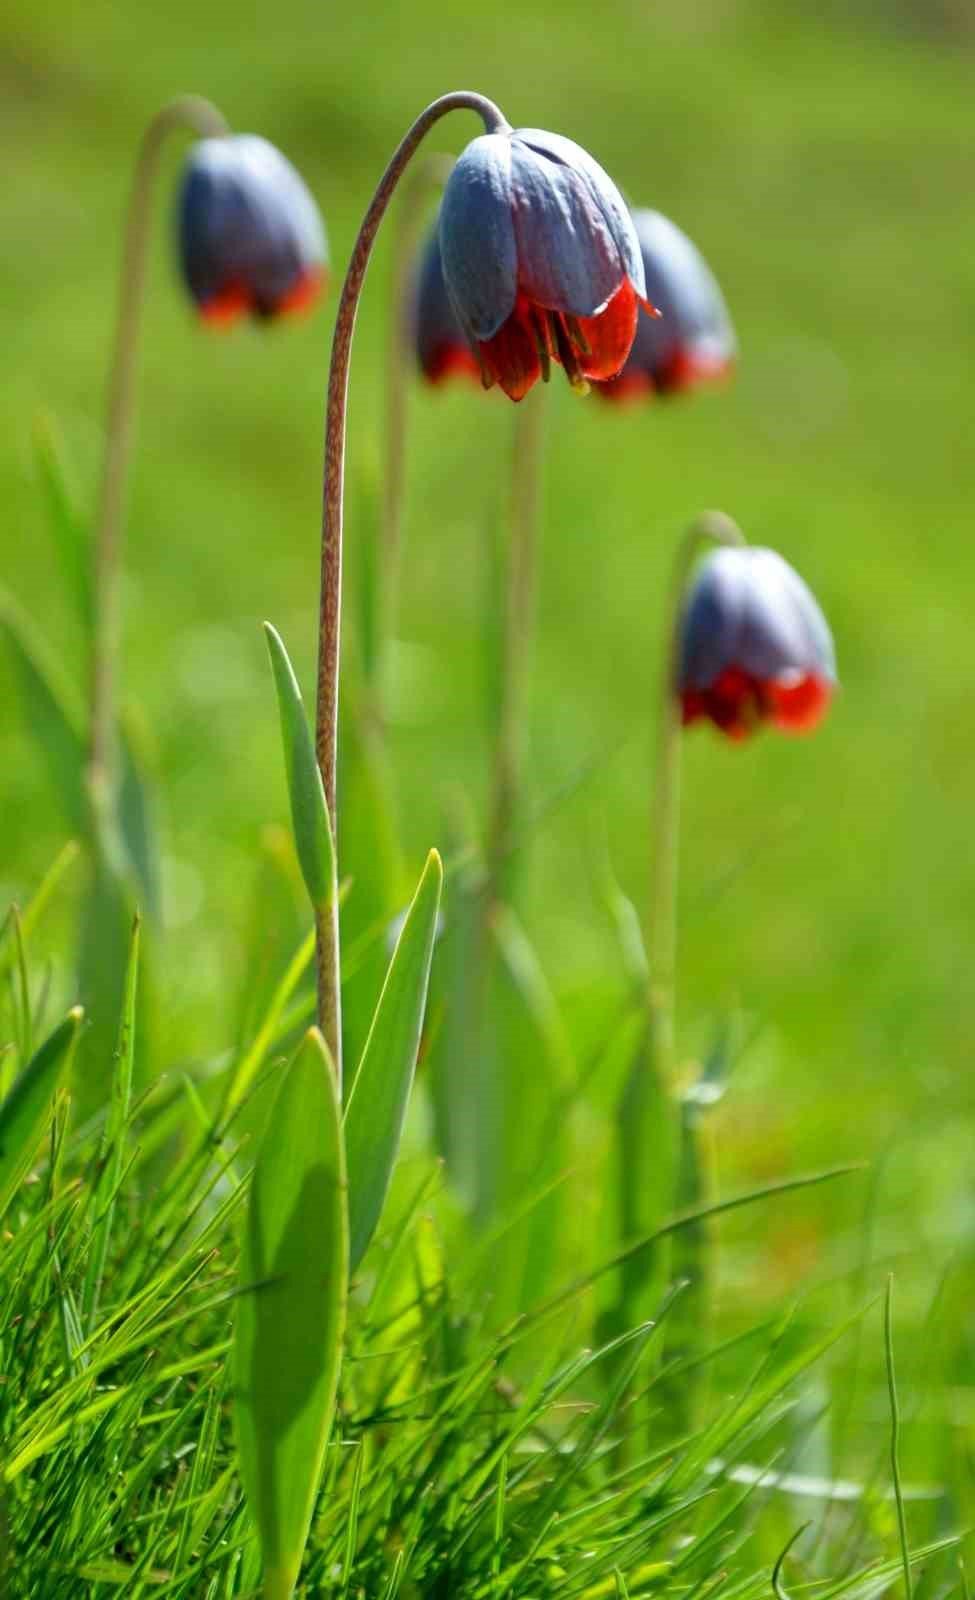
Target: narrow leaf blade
<point>112,1151</point>
<point>68,528</point>
<point>24,1112</point>
<point>50,714</point>
<point>309,812</point>
<point>291,1319</point>
<point>380,1093</point>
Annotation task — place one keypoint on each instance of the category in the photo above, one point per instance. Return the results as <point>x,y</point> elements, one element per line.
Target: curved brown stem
<point>200,117</point>
<point>330,607</point>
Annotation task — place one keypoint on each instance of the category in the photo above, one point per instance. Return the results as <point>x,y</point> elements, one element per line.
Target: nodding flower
<point>541,260</point>
<point>251,237</point>
<point>442,348</point>
<point>754,646</point>
<point>694,341</point>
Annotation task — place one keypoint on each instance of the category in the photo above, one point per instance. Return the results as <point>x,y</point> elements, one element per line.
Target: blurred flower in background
<point>693,341</point>
<point>442,347</point>
<point>754,646</point>
<point>540,259</point>
<point>251,237</point>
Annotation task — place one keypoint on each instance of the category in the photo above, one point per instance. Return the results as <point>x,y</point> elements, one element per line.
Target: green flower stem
<point>330,607</point>
<point>519,619</point>
<point>200,117</point>
<point>711,527</point>
<point>648,1114</point>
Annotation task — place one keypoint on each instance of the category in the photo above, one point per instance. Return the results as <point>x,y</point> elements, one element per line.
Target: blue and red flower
<point>693,342</point>
<point>754,646</point>
<point>251,236</point>
<point>540,259</point>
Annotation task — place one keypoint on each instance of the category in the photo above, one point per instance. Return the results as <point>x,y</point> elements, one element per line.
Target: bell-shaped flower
<point>754,646</point>
<point>251,237</point>
<point>442,348</point>
<point>541,260</point>
<point>694,341</point>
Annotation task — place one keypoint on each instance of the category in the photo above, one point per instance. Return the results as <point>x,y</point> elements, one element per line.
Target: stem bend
<point>198,116</point>
<point>330,606</point>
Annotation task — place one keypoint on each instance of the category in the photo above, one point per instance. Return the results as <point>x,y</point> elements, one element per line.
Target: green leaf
<point>51,714</point>
<point>68,527</point>
<point>465,1128</point>
<point>309,812</point>
<point>291,1318</point>
<point>526,1083</point>
<point>24,1112</point>
<point>381,1088</point>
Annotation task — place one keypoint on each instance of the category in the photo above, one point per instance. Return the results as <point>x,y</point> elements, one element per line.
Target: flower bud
<point>250,235</point>
<point>754,646</point>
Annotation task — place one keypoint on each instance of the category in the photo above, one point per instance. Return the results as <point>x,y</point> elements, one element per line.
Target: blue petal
<point>711,624</point>
<point>784,622</point>
<point>749,609</point>
<point>603,192</point>
<point>567,256</point>
<point>477,237</point>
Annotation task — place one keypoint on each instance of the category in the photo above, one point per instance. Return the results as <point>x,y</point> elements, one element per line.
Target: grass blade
<point>895,1426</point>
<point>291,1319</point>
<point>111,1156</point>
<point>24,1112</point>
<point>381,1088</point>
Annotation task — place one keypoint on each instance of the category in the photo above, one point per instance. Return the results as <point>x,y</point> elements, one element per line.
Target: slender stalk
<point>647,1114</point>
<point>198,116</point>
<point>518,634</point>
<point>429,174</point>
<point>330,607</point>
<point>710,527</point>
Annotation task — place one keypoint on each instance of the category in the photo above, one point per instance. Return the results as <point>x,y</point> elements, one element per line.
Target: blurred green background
<point>821,156</point>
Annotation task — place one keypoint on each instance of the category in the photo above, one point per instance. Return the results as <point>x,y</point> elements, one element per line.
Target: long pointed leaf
<point>381,1089</point>
<point>24,1112</point>
<point>291,1319</point>
<point>68,527</point>
<point>309,812</point>
<point>51,715</point>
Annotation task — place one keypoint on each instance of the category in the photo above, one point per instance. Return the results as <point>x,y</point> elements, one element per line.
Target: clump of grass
<point>463,1460</point>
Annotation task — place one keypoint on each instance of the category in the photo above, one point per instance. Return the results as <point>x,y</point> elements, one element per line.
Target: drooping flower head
<point>754,646</point>
<point>442,348</point>
<point>251,237</point>
<point>694,341</point>
<point>541,260</point>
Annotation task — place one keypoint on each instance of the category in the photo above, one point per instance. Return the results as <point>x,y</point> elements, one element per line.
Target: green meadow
<point>821,157</point>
